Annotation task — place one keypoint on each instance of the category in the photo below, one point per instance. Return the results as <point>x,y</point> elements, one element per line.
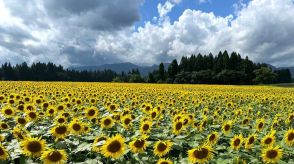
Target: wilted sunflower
<point>20,134</point>
<point>106,122</point>
<point>114,147</point>
<point>161,148</point>
<point>289,137</point>
<point>177,127</point>
<point>33,147</point>
<point>268,140</point>
<point>145,127</point>
<point>8,111</point>
<point>3,153</point>
<point>76,127</point>
<point>59,131</point>
<point>138,145</point>
<point>98,142</point>
<point>164,161</point>
<point>272,154</point>
<point>201,154</point>
<point>236,142</point>
<point>212,138</point>
<point>227,126</point>
<point>54,156</point>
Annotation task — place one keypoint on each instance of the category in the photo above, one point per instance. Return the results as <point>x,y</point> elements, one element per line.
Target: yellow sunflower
<point>4,126</point>
<point>289,137</point>
<point>98,142</point>
<point>177,127</point>
<point>226,127</point>
<point>127,121</point>
<point>138,145</point>
<point>212,138</point>
<point>164,161</point>
<point>8,111</point>
<point>51,111</point>
<point>54,157</point>
<point>236,142</point>
<point>21,121</point>
<point>91,112</point>
<point>32,115</point>
<point>260,124</point>
<point>272,154</point>
<point>33,147</point>
<point>201,154</point>
<point>76,127</point>
<point>161,148</point>
<point>145,127</point>
<point>20,134</point>
<point>60,131</point>
<point>268,140</point>
<point>250,141</point>
<point>114,147</point>
<point>106,122</point>
<point>3,153</point>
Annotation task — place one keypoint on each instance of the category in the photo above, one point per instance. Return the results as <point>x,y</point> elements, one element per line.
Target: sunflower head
<point>268,140</point>
<point>161,148</point>
<point>60,131</point>
<point>8,111</point>
<point>272,154</point>
<point>106,122</point>
<point>289,137</point>
<point>114,147</point>
<point>33,147</point>
<point>145,127</point>
<point>3,153</point>
<point>201,154</point>
<point>164,161</point>
<point>54,156</point>
<point>138,145</point>
<point>212,138</point>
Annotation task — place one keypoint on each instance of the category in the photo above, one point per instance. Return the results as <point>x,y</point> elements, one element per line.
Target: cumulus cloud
<point>96,32</point>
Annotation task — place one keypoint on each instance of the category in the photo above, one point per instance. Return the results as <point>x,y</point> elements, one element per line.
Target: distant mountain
<point>119,67</point>
<point>278,68</point>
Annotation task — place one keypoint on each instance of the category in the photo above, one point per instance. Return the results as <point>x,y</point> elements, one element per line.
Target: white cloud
<point>263,30</point>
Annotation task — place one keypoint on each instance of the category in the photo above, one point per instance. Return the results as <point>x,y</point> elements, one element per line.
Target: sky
<point>144,32</point>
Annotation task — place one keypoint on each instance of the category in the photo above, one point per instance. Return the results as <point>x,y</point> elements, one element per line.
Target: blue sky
<point>219,7</point>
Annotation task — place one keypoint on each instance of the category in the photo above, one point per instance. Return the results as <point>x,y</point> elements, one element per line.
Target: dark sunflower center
<point>271,154</point>
<point>61,130</point>
<point>51,111</point>
<point>164,162</point>
<point>20,136</point>
<point>201,154</point>
<point>245,121</point>
<point>212,137</point>
<point>8,111</point>
<point>185,121</point>
<point>251,140</point>
<point>61,120</point>
<point>147,108</point>
<point>107,122</point>
<point>268,140</point>
<point>145,127</point>
<point>127,121</point>
<point>34,146</point>
<point>60,107</point>
<point>4,126</point>
<point>112,107</point>
<point>179,126</point>
<point>76,127</point>
<point>139,143</point>
<point>114,146</point>
<point>260,125</point>
<point>21,120</point>
<point>153,115</point>
<point>32,115</point>
<point>91,112</point>
<point>1,151</point>
<point>290,136</point>
<point>55,156</point>
<point>237,142</point>
<point>227,127</point>
<point>161,147</point>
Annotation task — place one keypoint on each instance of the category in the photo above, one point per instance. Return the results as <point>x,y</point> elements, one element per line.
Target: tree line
<point>223,68</point>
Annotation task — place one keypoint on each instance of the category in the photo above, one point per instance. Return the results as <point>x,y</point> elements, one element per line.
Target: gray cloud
<point>92,32</point>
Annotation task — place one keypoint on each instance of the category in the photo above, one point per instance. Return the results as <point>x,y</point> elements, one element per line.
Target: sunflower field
<point>64,122</point>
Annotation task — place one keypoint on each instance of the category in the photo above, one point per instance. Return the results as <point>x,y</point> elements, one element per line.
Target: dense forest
<point>196,69</point>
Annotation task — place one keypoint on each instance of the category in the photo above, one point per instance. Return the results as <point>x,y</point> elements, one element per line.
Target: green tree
<point>264,75</point>
<point>161,72</point>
